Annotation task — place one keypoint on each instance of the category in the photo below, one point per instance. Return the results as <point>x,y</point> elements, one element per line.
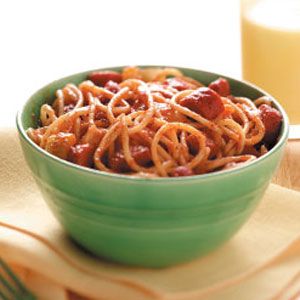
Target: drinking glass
<point>271,50</point>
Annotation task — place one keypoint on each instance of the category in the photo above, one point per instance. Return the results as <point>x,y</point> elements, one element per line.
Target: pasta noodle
<point>155,122</point>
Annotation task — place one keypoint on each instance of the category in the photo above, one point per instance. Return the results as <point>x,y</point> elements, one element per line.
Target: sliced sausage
<point>182,171</point>
<point>221,86</point>
<point>204,101</point>
<point>272,120</point>
<point>82,155</point>
<point>141,155</point>
<point>100,78</point>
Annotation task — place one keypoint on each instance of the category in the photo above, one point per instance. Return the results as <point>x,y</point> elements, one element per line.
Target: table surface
<point>288,174</point>
<point>45,40</point>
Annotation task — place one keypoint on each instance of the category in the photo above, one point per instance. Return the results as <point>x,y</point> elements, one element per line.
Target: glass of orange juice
<point>271,50</point>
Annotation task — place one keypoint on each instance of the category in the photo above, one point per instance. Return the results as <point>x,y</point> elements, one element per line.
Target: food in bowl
<point>154,222</point>
<point>143,122</point>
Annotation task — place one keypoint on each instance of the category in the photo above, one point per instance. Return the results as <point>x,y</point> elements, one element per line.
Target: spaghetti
<point>155,122</point>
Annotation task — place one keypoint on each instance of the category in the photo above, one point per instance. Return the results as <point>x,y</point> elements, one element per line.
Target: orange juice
<point>271,50</point>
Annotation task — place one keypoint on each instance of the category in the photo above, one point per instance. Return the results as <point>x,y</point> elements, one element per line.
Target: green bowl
<point>148,222</point>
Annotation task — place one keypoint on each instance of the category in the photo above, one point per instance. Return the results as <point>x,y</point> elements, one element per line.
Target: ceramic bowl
<point>148,222</point>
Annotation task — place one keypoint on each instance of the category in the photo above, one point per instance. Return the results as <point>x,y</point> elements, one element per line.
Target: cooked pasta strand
<point>140,125</point>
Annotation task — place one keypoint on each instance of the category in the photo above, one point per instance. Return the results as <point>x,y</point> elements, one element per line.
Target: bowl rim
<point>282,139</point>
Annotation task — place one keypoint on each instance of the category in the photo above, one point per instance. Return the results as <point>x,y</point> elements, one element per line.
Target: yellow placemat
<point>265,250</point>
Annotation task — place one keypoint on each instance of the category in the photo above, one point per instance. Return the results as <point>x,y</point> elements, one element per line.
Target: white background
<point>44,40</point>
